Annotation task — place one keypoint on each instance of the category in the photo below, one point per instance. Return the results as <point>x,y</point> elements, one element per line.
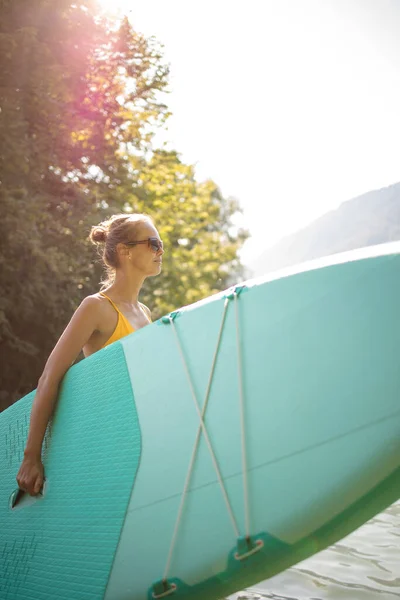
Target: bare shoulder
<point>87,318</point>
<point>89,310</point>
<point>94,302</point>
<point>94,309</point>
<point>94,299</point>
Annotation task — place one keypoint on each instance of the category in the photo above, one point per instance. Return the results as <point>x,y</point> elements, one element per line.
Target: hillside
<point>370,219</point>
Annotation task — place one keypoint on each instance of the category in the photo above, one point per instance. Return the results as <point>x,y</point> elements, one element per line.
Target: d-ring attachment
<point>163,588</point>
<point>248,546</point>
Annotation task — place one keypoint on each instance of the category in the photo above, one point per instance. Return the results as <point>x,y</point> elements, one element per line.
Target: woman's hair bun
<point>98,234</point>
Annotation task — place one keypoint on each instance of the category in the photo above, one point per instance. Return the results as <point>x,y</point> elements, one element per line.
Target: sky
<point>290,106</point>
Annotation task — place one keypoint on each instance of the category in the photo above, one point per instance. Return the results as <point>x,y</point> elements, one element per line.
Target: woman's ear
<point>122,250</point>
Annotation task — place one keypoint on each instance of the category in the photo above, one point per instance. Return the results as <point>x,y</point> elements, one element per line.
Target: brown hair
<point>115,230</point>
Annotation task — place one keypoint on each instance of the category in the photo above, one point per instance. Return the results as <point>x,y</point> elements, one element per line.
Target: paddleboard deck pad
<point>216,447</point>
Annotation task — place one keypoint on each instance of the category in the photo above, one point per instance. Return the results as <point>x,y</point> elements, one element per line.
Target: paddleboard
<point>216,447</point>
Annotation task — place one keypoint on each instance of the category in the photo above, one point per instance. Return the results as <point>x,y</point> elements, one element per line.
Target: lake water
<point>363,566</point>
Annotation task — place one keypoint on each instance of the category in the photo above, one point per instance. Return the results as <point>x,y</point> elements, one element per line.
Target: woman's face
<point>145,257</point>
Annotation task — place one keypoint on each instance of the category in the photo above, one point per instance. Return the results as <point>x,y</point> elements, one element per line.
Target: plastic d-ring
<point>163,588</point>
<point>235,291</point>
<point>247,547</point>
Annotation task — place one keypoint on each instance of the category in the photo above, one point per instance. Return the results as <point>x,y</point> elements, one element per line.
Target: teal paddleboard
<point>216,447</point>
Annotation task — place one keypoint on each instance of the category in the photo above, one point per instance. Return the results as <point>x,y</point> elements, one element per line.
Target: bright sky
<point>290,106</point>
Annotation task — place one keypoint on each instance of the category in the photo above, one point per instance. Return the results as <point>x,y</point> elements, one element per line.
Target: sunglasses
<point>153,243</point>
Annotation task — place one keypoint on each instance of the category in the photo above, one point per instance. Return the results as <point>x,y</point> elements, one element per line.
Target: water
<point>363,566</point>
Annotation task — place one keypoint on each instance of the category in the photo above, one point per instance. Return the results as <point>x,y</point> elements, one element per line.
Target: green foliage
<point>194,220</point>
<point>80,101</point>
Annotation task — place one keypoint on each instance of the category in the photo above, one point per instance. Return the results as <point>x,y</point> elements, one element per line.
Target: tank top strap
<point>121,317</point>
<point>113,303</point>
<point>123,326</point>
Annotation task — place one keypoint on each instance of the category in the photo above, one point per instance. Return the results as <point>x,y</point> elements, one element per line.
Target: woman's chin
<point>157,269</point>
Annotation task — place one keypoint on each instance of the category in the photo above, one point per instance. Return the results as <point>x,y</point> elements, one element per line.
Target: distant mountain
<point>373,218</point>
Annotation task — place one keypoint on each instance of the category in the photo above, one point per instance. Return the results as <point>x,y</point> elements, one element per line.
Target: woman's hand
<point>31,475</point>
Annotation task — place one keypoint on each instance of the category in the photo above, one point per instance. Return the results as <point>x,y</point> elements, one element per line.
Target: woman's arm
<point>83,323</point>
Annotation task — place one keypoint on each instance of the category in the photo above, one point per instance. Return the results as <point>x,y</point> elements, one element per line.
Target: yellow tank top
<point>123,327</point>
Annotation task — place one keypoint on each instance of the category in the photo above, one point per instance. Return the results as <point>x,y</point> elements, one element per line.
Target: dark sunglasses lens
<point>156,244</point>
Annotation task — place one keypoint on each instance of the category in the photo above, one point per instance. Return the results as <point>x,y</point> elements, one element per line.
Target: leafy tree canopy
<point>80,100</point>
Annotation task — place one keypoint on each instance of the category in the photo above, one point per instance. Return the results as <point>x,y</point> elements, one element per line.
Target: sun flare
<point>115,6</point>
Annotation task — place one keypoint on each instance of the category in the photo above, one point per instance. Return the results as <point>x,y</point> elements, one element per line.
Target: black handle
<point>18,494</point>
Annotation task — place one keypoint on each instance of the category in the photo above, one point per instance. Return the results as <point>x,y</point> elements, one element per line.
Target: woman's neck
<point>126,287</point>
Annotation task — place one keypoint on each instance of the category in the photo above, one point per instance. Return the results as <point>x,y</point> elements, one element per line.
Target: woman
<point>132,251</point>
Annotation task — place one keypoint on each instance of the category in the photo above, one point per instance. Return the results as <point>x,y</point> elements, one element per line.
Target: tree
<point>73,91</point>
<point>194,220</point>
<point>80,99</point>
